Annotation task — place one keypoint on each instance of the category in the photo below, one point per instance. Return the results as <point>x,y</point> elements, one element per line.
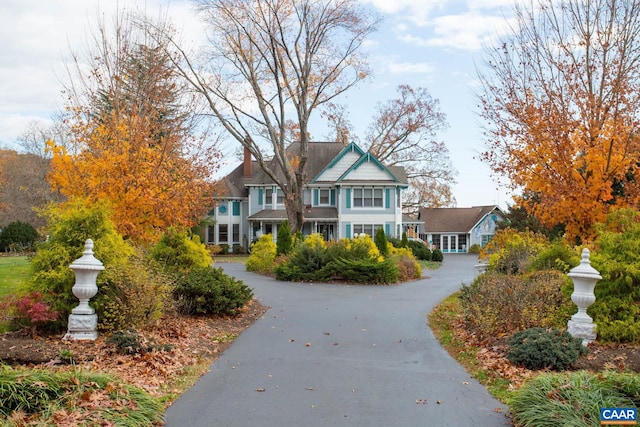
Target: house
<point>457,229</point>
<point>348,192</point>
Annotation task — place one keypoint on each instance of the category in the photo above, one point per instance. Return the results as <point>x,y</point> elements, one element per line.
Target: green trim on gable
<point>348,149</point>
<point>367,157</point>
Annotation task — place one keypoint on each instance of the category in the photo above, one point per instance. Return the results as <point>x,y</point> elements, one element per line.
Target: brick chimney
<point>247,163</point>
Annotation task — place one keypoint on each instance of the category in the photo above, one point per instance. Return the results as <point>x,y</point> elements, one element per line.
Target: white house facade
<point>348,192</point>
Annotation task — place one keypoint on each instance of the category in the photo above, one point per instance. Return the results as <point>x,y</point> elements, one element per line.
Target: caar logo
<point>618,416</point>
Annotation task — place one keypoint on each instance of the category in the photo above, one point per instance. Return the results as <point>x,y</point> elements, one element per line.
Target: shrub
<point>179,251</point>
<point>18,235</point>
<point>572,399</point>
<point>437,256</point>
<point>540,348</point>
<point>136,296</point>
<point>408,268</point>
<point>307,262</point>
<point>474,249</point>
<point>131,342</point>
<point>617,308</point>
<point>420,250</point>
<point>404,242</point>
<point>556,256</point>
<point>381,242</point>
<point>69,226</point>
<point>365,270</point>
<point>363,247</point>
<point>285,240</point>
<point>263,255</point>
<point>496,305</point>
<point>29,311</point>
<point>512,252</point>
<point>207,290</point>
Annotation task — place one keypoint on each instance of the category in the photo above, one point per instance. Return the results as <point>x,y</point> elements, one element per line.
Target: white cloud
<point>410,67</point>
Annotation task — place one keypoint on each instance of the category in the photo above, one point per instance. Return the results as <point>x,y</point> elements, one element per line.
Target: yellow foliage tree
<point>560,99</point>
<point>133,139</point>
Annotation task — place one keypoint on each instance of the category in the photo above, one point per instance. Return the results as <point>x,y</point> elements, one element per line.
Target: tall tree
<point>560,97</point>
<point>134,138</point>
<point>403,133</point>
<point>271,65</point>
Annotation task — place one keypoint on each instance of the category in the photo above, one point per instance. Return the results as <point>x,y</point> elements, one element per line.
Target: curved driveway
<point>341,355</point>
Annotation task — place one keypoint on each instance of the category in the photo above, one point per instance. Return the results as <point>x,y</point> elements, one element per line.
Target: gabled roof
<point>367,157</point>
<point>454,220</point>
<point>321,156</point>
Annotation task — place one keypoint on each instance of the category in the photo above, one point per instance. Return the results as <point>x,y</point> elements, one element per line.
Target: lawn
<point>14,271</point>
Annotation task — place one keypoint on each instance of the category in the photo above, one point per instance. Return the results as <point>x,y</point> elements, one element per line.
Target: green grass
<point>430,265</point>
<point>14,272</point>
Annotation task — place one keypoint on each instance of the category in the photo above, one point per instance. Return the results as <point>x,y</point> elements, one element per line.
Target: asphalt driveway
<point>341,355</point>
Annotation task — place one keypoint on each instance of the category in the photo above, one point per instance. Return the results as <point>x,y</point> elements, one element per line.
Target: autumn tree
<point>270,66</point>
<point>134,138</point>
<point>560,97</point>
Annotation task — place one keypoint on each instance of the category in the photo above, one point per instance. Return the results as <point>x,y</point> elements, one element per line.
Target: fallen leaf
<point>421,401</point>
<point>261,389</point>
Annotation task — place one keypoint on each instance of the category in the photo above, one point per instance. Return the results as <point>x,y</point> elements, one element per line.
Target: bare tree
<point>559,98</point>
<point>272,63</point>
<point>403,133</point>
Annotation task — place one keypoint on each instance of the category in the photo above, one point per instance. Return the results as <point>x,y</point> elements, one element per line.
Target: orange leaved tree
<point>134,142</point>
<point>560,99</point>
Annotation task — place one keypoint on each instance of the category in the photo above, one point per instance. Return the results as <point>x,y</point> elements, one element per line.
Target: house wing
<point>453,220</point>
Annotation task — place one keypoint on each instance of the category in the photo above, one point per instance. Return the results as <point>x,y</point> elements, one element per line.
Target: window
<point>367,197</point>
<point>236,233</point>
<point>211,234</point>
<point>325,196</point>
<point>236,208</point>
<point>485,239</point>
<point>268,197</point>
<point>280,197</point>
<point>223,233</point>
<point>369,229</point>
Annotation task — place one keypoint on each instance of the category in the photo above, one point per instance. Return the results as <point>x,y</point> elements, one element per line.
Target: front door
<point>449,242</point>
<point>326,230</point>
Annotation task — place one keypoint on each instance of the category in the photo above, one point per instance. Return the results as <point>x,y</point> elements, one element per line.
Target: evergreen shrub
<point>284,244</point>
<point>207,290</point>
<point>18,236</point>
<point>544,348</point>
<point>420,250</point>
<point>178,251</point>
<point>437,256</point>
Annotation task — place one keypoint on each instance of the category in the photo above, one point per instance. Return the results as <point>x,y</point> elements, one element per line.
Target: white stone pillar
<point>83,320</point>
<point>584,278</point>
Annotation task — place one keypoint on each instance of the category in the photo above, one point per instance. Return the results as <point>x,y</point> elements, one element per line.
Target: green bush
<point>497,305</point>
<point>420,250</point>
<point>179,251</point>
<point>542,348</point>
<point>129,341</point>
<point>556,256</point>
<point>69,226</point>
<point>617,257</point>
<point>572,399</point>
<point>263,255</point>
<point>207,290</point>
<point>285,240</point>
<point>381,242</point>
<point>306,263</point>
<point>365,270</point>
<point>18,236</point>
<point>437,255</point>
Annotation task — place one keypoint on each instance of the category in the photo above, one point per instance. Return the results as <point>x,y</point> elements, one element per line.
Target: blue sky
<point>434,44</point>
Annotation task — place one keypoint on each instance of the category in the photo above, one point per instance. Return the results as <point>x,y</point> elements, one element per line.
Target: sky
<point>435,44</point>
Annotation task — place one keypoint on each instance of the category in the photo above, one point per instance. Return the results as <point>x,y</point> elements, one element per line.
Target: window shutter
<point>315,197</point>
<point>349,199</point>
<point>236,208</point>
<point>387,228</point>
<point>387,201</point>
<point>260,196</point>
<point>333,197</point>
<point>348,231</point>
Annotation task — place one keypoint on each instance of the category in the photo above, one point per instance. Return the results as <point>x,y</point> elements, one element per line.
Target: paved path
<point>341,355</point>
